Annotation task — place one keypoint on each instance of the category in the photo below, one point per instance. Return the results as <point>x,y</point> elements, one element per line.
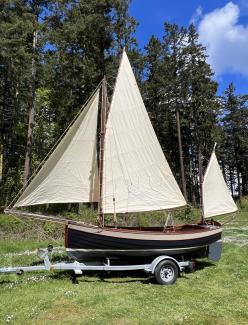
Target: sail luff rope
<point>54,146</point>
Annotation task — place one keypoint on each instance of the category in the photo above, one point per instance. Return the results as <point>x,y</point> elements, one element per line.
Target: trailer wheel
<point>166,272</point>
<point>19,272</point>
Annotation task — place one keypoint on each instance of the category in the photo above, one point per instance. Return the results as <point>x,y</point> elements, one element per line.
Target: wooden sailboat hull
<point>83,242</point>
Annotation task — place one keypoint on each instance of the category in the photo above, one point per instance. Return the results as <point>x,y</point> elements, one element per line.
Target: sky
<point>222,26</point>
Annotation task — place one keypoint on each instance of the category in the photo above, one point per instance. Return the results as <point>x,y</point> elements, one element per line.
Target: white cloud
<point>226,40</point>
<point>196,16</point>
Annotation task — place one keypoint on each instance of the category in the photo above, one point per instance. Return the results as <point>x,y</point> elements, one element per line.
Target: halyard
<point>216,293</point>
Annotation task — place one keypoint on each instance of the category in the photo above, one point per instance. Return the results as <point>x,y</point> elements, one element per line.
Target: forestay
<point>217,199</point>
<point>70,174</point>
<point>137,176</point>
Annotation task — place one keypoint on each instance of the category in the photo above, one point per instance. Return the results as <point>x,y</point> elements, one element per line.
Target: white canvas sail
<point>137,176</point>
<point>70,174</point>
<point>217,199</point>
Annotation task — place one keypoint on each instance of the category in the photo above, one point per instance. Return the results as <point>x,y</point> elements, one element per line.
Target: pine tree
<point>35,8</point>
<point>235,129</point>
<point>123,27</point>
<point>15,57</point>
<point>201,107</point>
<point>180,92</point>
<point>78,34</point>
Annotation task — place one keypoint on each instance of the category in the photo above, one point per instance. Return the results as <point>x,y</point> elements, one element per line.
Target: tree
<point>15,32</point>
<point>179,81</point>
<point>123,27</point>
<point>75,59</point>
<point>235,129</point>
<point>201,106</point>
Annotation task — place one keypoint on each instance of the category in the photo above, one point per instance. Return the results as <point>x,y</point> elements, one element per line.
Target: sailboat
<point>128,174</point>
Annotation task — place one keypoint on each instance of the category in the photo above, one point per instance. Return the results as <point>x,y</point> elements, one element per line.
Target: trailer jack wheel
<point>166,272</point>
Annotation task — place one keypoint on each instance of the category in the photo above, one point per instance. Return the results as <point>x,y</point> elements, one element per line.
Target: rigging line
<point>190,206</point>
<point>110,86</point>
<point>149,211</point>
<point>54,146</point>
<point>233,216</point>
<point>20,219</point>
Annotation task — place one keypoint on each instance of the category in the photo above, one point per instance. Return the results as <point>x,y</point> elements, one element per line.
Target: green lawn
<point>217,293</point>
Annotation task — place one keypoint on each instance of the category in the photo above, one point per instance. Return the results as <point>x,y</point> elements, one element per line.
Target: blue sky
<point>222,26</point>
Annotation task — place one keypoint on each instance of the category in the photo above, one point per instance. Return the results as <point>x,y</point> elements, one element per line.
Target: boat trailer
<point>165,268</point>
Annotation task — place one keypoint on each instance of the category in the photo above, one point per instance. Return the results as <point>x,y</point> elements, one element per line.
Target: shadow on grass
<point>200,265</point>
<point>2,282</point>
<point>106,277</point>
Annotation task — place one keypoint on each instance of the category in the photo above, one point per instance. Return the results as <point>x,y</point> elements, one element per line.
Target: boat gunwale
<point>194,228</point>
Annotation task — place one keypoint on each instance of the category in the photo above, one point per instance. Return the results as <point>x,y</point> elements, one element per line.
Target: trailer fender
<point>151,267</point>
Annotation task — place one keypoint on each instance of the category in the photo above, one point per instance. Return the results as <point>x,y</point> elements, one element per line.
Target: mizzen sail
<point>217,199</point>
<point>137,176</point>
<point>70,174</point>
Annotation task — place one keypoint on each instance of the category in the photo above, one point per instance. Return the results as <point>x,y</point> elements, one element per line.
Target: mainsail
<point>70,174</point>
<point>217,199</point>
<point>137,176</point>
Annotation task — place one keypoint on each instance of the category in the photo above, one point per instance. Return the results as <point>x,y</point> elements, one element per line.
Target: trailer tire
<point>166,272</point>
<point>19,272</point>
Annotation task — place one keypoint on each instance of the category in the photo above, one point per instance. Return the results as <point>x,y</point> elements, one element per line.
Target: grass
<point>217,293</point>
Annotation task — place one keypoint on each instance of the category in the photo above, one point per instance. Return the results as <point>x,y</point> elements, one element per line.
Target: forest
<point>53,54</point>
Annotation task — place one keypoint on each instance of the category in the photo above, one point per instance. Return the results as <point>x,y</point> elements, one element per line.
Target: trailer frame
<point>165,268</point>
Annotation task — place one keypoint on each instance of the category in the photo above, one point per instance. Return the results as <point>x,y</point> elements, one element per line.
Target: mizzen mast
<point>104,104</point>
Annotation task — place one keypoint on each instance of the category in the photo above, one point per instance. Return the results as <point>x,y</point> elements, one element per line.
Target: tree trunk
<point>223,169</point>
<point>181,155</point>
<point>239,183</point>
<point>28,157</point>
<point>231,180</point>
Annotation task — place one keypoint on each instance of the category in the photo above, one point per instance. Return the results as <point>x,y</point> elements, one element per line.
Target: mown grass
<point>217,293</point>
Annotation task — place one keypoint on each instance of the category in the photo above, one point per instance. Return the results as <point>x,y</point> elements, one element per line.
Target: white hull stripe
<point>132,250</point>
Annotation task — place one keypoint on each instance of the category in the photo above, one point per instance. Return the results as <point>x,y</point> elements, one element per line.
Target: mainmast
<point>104,101</point>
